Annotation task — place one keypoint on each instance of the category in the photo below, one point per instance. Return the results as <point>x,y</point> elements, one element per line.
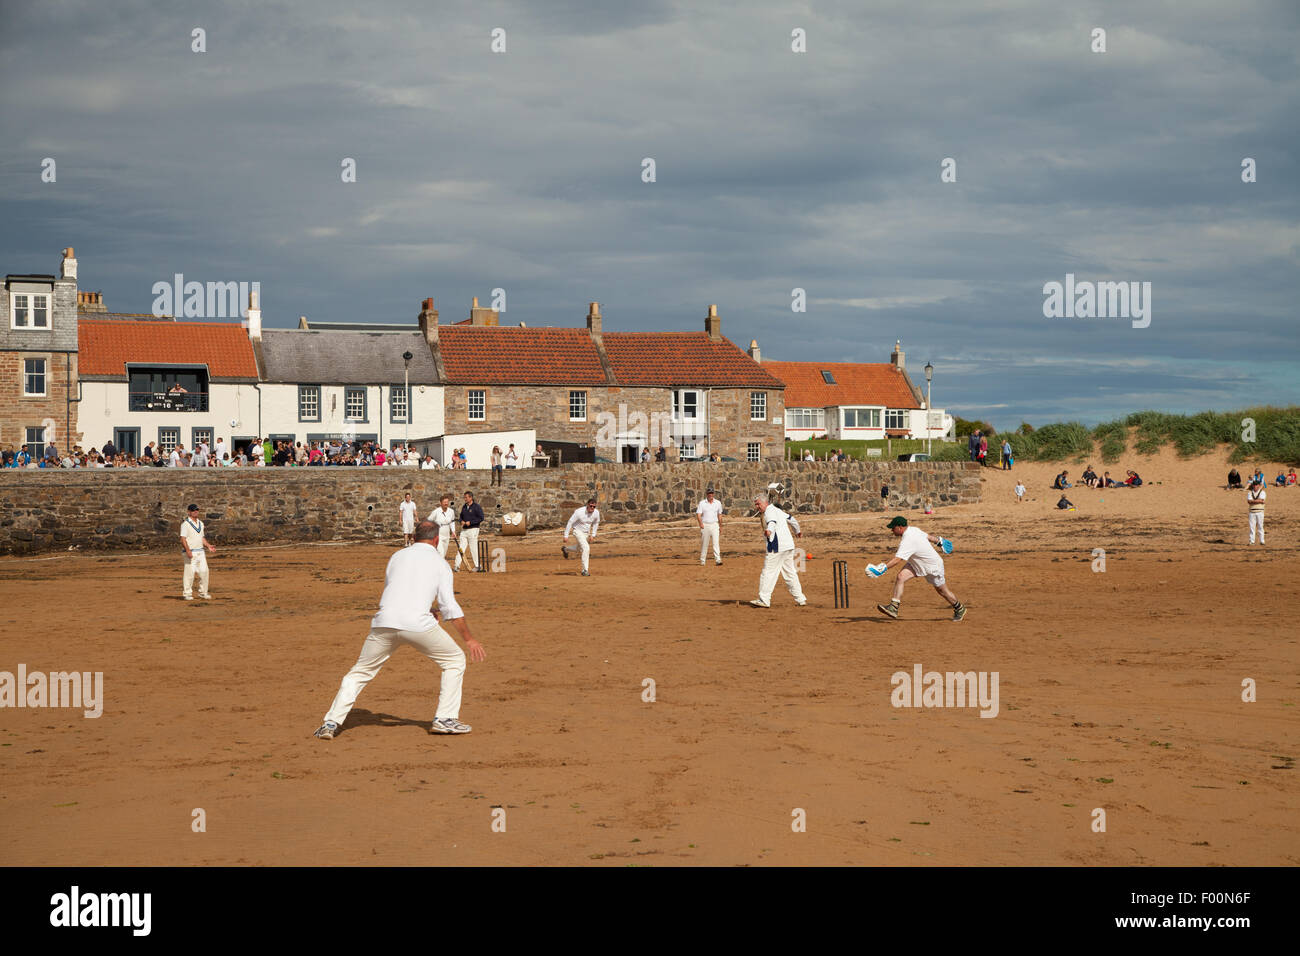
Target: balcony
<point>169,401</point>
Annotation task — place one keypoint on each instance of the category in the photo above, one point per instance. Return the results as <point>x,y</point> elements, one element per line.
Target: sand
<point>1119,691</point>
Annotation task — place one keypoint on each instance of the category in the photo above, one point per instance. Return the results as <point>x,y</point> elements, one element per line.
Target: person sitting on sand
<point>1090,478</point>
<point>1062,481</point>
<point>1258,476</point>
<point>1134,480</point>
<point>1065,504</point>
<point>1280,480</point>
<point>1110,482</point>
<point>1291,477</point>
<point>1234,480</point>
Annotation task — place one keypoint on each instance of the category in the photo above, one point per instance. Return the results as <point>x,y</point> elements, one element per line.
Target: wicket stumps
<point>482,556</point>
<point>840,579</point>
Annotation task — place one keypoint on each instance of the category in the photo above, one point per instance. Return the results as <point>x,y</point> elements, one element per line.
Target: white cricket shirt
<point>192,536</point>
<point>406,508</point>
<point>445,519</point>
<point>581,521</point>
<point>709,511</point>
<point>774,519</point>
<point>916,550</point>
<point>416,577</point>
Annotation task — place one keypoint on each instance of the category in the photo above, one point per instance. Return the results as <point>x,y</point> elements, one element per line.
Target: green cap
<point>898,522</point>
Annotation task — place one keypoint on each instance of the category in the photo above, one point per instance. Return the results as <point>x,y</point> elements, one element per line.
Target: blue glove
<point>771,545</point>
<point>875,570</point>
<point>946,545</point>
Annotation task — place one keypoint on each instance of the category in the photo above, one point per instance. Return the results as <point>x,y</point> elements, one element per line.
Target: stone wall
<point>18,412</point>
<point>142,508</point>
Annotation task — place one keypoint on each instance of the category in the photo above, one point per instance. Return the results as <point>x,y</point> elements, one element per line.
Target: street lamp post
<point>406,418</point>
<point>929,408</point>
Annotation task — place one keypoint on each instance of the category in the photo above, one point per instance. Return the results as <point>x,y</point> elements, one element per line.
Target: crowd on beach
<point>259,453</point>
<point>1283,479</point>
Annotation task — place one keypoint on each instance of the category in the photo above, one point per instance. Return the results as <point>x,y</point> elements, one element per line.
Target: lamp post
<point>406,418</point>
<point>929,408</point>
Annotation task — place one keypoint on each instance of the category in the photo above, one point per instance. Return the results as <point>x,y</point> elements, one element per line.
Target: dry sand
<point>1118,690</point>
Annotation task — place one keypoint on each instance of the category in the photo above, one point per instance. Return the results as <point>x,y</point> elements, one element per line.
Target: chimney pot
<point>593,318</point>
<point>713,324</point>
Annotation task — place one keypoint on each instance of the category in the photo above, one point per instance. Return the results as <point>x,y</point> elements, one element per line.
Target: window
<point>752,450</point>
<point>35,443</point>
<point>29,311</point>
<point>168,439</point>
<point>806,417</point>
<point>827,377</point>
<point>477,404</point>
<point>758,406</point>
<point>34,376</point>
<point>577,406</point>
<point>896,418</point>
<point>201,436</point>
<point>354,404</point>
<point>308,403</point>
<point>686,450</point>
<point>399,404</point>
<point>686,405</point>
<point>861,418</point>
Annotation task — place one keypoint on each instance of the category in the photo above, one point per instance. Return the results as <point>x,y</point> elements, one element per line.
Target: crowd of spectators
<point>256,454</point>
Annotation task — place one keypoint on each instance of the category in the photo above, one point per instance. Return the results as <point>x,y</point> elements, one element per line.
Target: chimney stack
<point>593,318</point>
<point>68,269</point>
<point>896,358</point>
<point>754,353</point>
<point>479,316</point>
<point>713,324</point>
<point>254,317</point>
<point>429,321</point>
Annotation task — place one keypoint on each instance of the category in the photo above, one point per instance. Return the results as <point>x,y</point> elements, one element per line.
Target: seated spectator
<point>1090,478</point>
<point>1234,480</point>
<point>1134,480</point>
<point>1280,480</point>
<point>429,463</point>
<point>1291,477</point>
<point>1065,504</point>
<point>1259,476</point>
<point>1062,481</point>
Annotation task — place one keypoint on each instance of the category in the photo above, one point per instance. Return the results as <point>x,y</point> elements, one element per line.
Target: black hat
<point>898,522</point>
<point>192,508</point>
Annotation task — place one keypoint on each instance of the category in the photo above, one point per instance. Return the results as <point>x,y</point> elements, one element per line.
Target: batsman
<point>919,560</point>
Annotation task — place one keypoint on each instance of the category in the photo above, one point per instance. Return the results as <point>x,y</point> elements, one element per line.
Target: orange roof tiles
<point>493,355</point>
<point>106,347</point>
<point>855,384</point>
<point>682,358</point>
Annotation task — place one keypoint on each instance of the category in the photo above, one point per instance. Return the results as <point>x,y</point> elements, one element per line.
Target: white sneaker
<point>757,603</point>
<point>189,597</point>
<point>449,725</point>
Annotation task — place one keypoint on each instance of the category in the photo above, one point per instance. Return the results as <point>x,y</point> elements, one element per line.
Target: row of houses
<point>72,371</point>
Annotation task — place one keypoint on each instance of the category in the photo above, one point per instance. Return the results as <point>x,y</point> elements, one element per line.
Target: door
<point>127,441</point>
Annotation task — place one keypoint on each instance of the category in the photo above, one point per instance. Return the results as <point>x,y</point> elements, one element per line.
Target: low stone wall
<point>142,508</point>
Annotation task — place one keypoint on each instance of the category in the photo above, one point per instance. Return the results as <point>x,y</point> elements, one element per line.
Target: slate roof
<point>105,347</point>
<point>856,384</point>
<point>345,358</point>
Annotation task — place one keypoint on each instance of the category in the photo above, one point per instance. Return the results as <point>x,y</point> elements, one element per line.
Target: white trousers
<point>436,645</point>
<point>1256,522</point>
<point>444,540</point>
<point>198,564</point>
<point>583,546</point>
<point>779,564</point>
<point>709,532</point>
<point>468,546</point>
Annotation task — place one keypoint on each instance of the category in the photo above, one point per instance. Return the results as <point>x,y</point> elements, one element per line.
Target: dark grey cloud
<point>775,170</point>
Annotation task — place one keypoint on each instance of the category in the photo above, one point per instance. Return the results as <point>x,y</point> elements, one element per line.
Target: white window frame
<point>686,450</point>
<point>43,374</point>
<point>162,441</point>
<point>308,393</point>
<point>197,433</point>
<point>35,448</point>
<point>899,414</point>
<point>30,311</point>
<point>758,403</point>
<point>357,392</point>
<point>680,403</point>
<point>754,451</point>
<point>476,398</point>
<point>399,395</point>
<point>578,402</point>
<point>872,415</point>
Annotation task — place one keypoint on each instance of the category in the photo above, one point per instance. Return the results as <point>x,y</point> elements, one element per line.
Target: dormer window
<point>29,310</point>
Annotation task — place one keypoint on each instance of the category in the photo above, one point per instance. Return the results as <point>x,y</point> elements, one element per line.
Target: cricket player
<point>779,559</point>
<point>709,514</point>
<point>582,525</point>
<point>416,577</point>
<point>1255,503</point>
<point>406,512</point>
<point>919,559</point>
<point>471,516</point>
<point>445,518</point>
<point>196,560</point>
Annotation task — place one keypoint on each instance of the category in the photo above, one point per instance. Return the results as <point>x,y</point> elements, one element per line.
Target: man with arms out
<point>709,514</point>
<point>416,577</point>
<point>1255,503</point>
<point>582,525</point>
<point>779,559</point>
<point>919,559</point>
<point>196,561</point>
<point>444,516</point>
<point>471,516</point>
<point>406,512</point>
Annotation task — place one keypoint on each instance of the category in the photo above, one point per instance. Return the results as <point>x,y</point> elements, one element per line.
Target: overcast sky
<point>775,170</point>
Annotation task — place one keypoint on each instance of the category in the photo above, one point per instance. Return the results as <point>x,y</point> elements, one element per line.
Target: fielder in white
<point>416,577</point>
<point>919,560</point>
<point>1255,503</point>
<point>779,559</point>
<point>196,560</point>
<point>582,525</point>
<point>444,516</point>
<point>406,511</point>
<point>709,515</point>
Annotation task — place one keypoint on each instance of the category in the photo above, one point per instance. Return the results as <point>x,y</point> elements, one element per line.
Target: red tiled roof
<point>493,355</point>
<point>106,347</point>
<point>682,358</point>
<point>855,384</point>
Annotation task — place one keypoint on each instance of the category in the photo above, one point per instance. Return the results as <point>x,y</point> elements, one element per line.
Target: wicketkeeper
<point>919,559</point>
